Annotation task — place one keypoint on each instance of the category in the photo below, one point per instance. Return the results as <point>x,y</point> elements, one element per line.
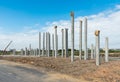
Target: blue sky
<point>21,20</point>
<point>16,14</point>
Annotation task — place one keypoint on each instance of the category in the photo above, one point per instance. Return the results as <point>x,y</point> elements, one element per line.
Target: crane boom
<point>6,47</point>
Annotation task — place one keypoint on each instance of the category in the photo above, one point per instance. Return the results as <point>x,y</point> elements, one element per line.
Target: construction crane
<point>4,51</point>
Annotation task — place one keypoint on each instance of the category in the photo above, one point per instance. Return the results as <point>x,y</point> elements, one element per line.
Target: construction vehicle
<point>4,51</point>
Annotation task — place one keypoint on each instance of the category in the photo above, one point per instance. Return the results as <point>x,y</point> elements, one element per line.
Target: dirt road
<point>44,69</point>
<point>16,72</point>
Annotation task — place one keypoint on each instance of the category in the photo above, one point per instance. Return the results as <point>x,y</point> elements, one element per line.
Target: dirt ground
<point>18,72</point>
<point>80,69</point>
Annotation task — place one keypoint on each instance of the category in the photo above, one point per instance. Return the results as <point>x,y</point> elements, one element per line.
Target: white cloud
<point>107,22</point>
<point>117,6</point>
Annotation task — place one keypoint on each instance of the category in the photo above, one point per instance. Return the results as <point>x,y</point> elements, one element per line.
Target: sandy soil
<point>82,70</point>
<point>17,72</point>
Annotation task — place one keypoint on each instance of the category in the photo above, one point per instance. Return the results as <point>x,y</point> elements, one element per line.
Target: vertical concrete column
<point>97,34</point>
<point>32,52</point>
<point>67,40</point>
<point>48,44</point>
<point>22,52</point>
<point>35,52</point>
<point>57,44</point>
<point>62,42</point>
<point>66,43</point>
<point>92,51</point>
<point>80,40</point>
<point>43,44</point>
<point>106,50</point>
<point>53,52</point>
<point>25,51</point>
<point>85,40</point>
<point>72,36</point>
<point>55,41</point>
<point>30,49</point>
<point>39,43</point>
<point>14,51</point>
<point>49,41</point>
